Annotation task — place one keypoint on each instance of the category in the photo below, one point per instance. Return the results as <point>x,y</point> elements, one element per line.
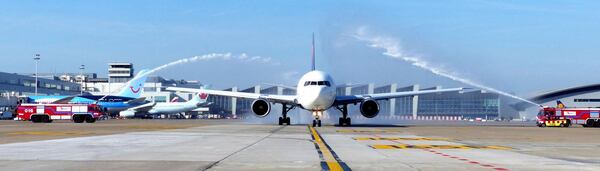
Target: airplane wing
<point>384,96</point>
<point>289,99</point>
<point>64,100</point>
<point>138,100</point>
<point>143,108</point>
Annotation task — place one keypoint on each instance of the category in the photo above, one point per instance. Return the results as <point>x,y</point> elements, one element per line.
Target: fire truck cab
<point>548,117</point>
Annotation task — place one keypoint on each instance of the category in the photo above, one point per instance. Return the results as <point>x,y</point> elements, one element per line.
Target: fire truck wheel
<point>589,123</point>
<point>78,119</point>
<point>90,119</point>
<point>543,125</point>
<point>44,119</point>
<point>35,119</point>
<point>562,125</point>
<point>597,123</point>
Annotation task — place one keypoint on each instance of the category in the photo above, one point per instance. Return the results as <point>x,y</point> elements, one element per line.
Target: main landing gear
<point>284,119</point>
<point>317,120</point>
<point>344,120</point>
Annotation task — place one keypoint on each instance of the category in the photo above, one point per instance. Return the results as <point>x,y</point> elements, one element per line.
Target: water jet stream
<point>393,49</point>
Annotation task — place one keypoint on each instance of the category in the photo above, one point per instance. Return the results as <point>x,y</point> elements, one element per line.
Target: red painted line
<point>454,157</point>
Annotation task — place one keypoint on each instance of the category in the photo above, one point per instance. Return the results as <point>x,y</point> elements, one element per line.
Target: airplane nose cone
<point>318,99</point>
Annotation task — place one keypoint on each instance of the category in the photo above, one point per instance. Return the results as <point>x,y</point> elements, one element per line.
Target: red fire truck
<point>565,117</point>
<point>79,113</point>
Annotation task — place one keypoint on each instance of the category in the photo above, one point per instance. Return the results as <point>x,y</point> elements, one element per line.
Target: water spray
<point>224,56</point>
<point>393,49</point>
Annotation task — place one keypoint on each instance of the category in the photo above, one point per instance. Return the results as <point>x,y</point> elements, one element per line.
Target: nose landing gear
<point>317,120</point>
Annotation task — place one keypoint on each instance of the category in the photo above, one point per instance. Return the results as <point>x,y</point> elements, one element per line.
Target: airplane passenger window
<point>306,83</point>
<point>320,83</point>
<point>327,83</point>
<point>313,83</point>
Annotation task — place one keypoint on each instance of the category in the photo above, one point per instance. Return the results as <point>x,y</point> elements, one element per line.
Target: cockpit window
<point>320,83</point>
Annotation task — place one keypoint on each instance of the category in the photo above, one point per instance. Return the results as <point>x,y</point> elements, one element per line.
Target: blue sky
<point>519,46</point>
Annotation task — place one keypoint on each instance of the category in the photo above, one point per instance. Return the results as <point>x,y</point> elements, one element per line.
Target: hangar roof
<point>566,93</point>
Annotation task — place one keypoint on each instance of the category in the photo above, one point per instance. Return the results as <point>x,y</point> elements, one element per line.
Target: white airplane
<point>154,108</point>
<point>315,92</point>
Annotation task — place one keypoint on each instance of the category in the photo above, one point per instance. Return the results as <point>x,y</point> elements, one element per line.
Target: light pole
<point>81,68</point>
<point>36,58</point>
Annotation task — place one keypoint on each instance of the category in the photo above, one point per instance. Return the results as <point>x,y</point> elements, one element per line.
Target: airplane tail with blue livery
<point>135,86</point>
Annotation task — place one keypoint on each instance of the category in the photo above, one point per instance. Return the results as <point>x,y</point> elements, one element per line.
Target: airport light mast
<point>81,68</point>
<point>36,58</point>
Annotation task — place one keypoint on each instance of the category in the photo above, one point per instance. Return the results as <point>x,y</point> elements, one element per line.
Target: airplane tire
<point>314,123</point>
<point>280,121</point>
<point>319,123</point>
<point>348,122</point>
<point>287,120</point>
<point>341,121</point>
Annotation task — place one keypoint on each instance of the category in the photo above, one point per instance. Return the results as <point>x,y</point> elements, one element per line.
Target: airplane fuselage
<point>316,91</point>
<point>168,108</point>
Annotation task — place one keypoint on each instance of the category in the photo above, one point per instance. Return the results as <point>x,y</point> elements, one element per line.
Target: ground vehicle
<point>79,113</point>
<point>565,117</point>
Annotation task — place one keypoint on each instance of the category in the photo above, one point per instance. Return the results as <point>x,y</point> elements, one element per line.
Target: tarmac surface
<point>236,145</point>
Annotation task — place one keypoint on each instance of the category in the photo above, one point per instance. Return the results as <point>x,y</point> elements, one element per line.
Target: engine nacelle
<point>261,107</point>
<point>369,108</point>
<point>127,114</point>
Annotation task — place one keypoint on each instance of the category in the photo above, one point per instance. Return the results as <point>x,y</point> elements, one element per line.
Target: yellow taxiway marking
<point>47,133</point>
<point>399,138</point>
<point>333,163</point>
<point>406,146</point>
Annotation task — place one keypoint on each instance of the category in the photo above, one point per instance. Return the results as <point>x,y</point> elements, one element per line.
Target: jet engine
<point>261,107</point>
<point>369,108</point>
<point>127,114</point>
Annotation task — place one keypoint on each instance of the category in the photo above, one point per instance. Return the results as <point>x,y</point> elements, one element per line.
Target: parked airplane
<point>154,108</point>
<point>315,92</point>
<point>129,96</point>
